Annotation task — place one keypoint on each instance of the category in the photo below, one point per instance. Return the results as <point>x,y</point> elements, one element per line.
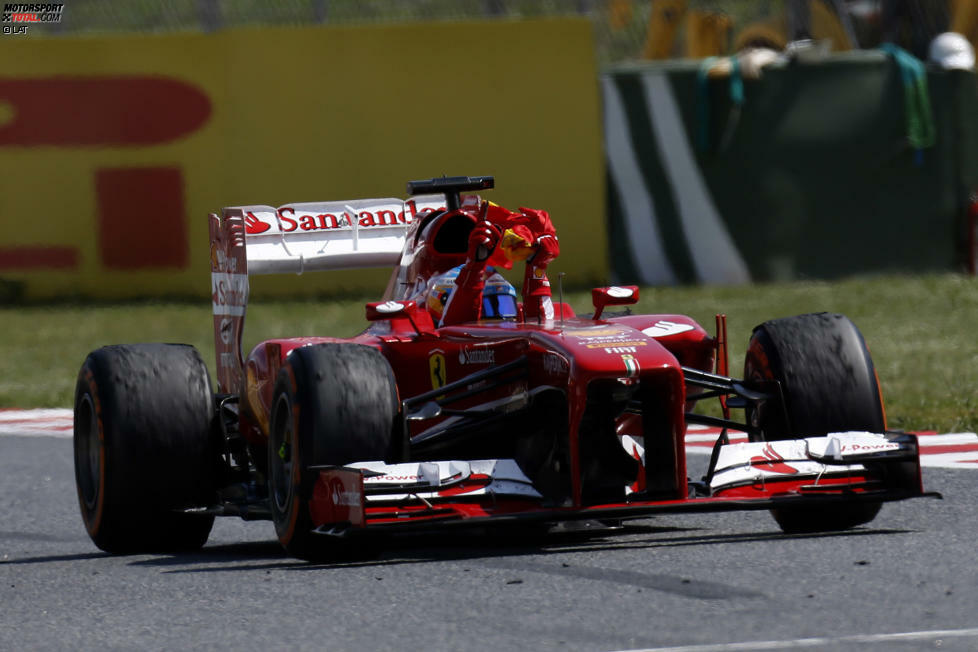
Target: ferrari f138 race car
<point>511,417</point>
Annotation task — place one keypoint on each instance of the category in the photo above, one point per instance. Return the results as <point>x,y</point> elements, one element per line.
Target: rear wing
<point>296,238</point>
<point>318,236</point>
<point>333,235</point>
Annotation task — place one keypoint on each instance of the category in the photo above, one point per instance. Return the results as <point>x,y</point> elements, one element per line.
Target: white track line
<point>798,643</point>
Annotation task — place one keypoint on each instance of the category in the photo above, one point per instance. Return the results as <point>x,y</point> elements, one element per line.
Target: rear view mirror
<point>417,315</point>
<point>616,295</point>
<point>389,309</point>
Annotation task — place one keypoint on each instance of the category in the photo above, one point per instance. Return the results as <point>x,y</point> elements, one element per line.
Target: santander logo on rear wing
<point>297,238</point>
<point>328,235</point>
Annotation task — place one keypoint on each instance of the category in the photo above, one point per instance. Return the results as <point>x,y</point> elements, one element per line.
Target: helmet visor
<point>499,306</point>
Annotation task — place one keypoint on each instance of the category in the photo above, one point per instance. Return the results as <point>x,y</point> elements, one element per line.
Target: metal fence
<point>623,29</point>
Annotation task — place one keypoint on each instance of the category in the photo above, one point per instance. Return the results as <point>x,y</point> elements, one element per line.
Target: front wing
<point>839,468</point>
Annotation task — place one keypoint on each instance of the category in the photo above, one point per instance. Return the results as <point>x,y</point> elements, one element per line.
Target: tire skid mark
<point>673,584</point>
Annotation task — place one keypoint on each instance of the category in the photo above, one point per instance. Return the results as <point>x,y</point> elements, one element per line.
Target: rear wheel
<point>144,449</point>
<point>828,384</point>
<point>333,404</point>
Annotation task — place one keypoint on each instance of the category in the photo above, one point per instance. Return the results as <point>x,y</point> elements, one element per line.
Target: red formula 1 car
<point>415,423</point>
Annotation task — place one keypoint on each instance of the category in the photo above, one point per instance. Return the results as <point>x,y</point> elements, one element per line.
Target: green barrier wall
<point>811,177</point>
<point>113,150</point>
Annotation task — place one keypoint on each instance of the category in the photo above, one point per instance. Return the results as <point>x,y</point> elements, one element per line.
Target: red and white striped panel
<point>36,423</point>
<point>954,450</point>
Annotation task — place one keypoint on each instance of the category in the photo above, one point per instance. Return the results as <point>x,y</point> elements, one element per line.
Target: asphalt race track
<point>907,581</point>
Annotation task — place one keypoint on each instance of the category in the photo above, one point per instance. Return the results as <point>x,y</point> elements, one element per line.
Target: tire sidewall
<point>763,364</point>
<point>87,397</point>
<point>289,512</point>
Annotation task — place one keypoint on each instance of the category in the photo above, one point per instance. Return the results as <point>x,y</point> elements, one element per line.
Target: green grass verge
<point>921,330</point>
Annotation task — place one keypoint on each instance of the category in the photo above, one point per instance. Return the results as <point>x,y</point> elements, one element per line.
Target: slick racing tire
<point>144,450</point>
<point>828,384</point>
<point>333,404</point>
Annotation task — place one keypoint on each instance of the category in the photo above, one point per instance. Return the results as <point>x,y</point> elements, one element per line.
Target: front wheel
<point>828,384</point>
<point>333,404</point>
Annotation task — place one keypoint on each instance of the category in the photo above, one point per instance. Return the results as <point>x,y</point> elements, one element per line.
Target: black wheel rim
<point>87,452</point>
<point>280,457</point>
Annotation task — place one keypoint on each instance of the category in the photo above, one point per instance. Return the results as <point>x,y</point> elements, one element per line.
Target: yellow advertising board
<point>113,150</point>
